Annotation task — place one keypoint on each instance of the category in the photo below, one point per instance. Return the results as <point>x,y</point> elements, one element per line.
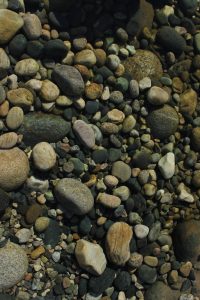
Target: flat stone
<point>85,132</point>
<point>143,64</point>
<point>118,239</point>
<point>41,127</point>
<point>44,156</point>
<point>166,165</point>
<point>21,97</point>
<point>27,67</point>
<point>36,253</point>
<point>8,140</point>
<point>147,274</point>
<point>14,118</point>
<point>86,254</point>
<point>69,80</point>
<point>14,168</point>
<point>13,263</point>
<point>109,201</point>
<point>74,196</point>
<point>10,23</point>
<point>32,26</point>
<point>163,121</point>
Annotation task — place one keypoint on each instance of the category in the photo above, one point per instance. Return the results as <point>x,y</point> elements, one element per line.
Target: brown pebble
<point>8,140</point>
<point>33,212</point>
<point>93,91</point>
<point>37,252</point>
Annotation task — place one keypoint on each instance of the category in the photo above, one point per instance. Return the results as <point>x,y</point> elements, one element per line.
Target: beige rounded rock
<point>109,201</point>
<point>4,60</point>
<point>10,23</point>
<point>27,67</point>
<point>41,224</point>
<point>4,108</point>
<point>8,140</point>
<point>157,96</point>
<point>49,91</point>
<point>118,239</point>
<point>20,97</point>
<point>90,257</point>
<point>85,57</point>
<point>14,168</point>
<point>13,265</point>
<point>188,102</point>
<point>32,26</point>
<point>116,116</point>
<point>44,156</point>
<point>15,118</point>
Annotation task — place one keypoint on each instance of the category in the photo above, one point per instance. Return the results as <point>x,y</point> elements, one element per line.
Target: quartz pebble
<point>86,254</point>
<point>167,165</point>
<point>44,156</point>
<point>141,231</point>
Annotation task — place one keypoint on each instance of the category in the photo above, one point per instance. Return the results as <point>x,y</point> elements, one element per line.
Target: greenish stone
<point>122,84</point>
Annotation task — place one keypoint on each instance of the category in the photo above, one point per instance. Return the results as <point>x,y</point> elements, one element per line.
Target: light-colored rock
<point>118,239</point>
<point>8,140</point>
<point>21,97</point>
<point>107,200</point>
<point>188,101</point>
<point>85,132</point>
<point>26,67</point>
<point>166,165</point>
<point>23,235</point>
<point>141,231</point>
<point>49,91</point>
<point>3,4</point>
<point>85,57</point>
<point>184,194</point>
<point>121,170</point>
<point>145,83</point>
<point>32,26</point>
<point>74,196</point>
<point>116,116</point>
<point>4,60</point>
<point>14,168</point>
<point>44,156</point>
<point>35,84</point>
<point>13,265</point>
<point>90,257</point>
<point>41,224</point>
<point>10,23</point>
<point>37,185</point>
<point>15,118</point>
<point>157,96</point>
<point>4,109</point>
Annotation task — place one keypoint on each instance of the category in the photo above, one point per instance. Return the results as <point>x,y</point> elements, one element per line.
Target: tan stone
<point>20,97</point>
<point>107,200</point>
<point>26,67</point>
<point>36,253</point>
<point>8,140</point>
<point>115,115</point>
<point>93,91</point>
<point>4,109</point>
<point>188,101</point>
<point>49,91</point>
<point>15,118</point>
<point>44,156</point>
<point>118,239</point>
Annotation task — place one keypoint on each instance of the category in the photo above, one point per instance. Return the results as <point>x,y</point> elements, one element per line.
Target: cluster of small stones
<point>99,150</point>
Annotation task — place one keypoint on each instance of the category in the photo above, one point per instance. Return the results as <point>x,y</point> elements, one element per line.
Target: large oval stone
<point>40,127</point>
<point>159,291</point>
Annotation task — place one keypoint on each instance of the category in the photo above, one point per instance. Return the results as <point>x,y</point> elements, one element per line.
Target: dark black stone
<point>140,203</point>
<point>52,234</point>
<point>58,20</point>
<point>171,40</point>
<point>174,20</point>
<point>55,49</point>
<point>92,107</point>
<point>142,159</point>
<point>15,5</point>
<point>188,6</point>
<point>100,156</point>
<point>82,287</point>
<point>35,49</point>
<point>122,281</point>
<point>85,226</point>
<point>4,200</point>
<point>17,45</point>
<point>131,291</point>
<point>114,154</point>
<point>147,274</point>
<point>97,285</point>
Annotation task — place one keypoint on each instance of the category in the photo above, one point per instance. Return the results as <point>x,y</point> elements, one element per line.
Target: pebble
<point>8,140</point>
<point>4,60</point>
<point>41,224</point>
<point>10,24</point>
<point>26,67</point>
<point>33,212</point>
<point>128,124</point>
<point>41,127</point>
<point>32,26</point>
<point>147,274</point>
<point>23,235</point>
<point>74,196</point>
<point>157,96</point>
<point>122,192</point>
<point>184,195</point>
<point>44,156</point>
<point>109,201</point>
<point>111,181</point>
<point>163,122</point>
<point>93,91</point>
<point>21,97</point>
<point>86,254</point>
<point>188,102</point>
<point>134,88</point>
<point>4,200</point>
<point>145,83</point>
<point>85,57</point>
<point>166,165</point>
<point>69,80</point>
<point>195,138</point>
<point>14,168</point>
<point>49,92</point>
<point>117,249</point>
<point>116,116</point>
<point>14,118</point>
<point>37,185</point>
<point>122,281</point>
<point>151,261</point>
<point>159,290</point>
<point>135,260</point>
<point>141,231</point>
<point>121,170</point>
<point>14,262</point>
<point>85,132</point>
<point>36,253</point>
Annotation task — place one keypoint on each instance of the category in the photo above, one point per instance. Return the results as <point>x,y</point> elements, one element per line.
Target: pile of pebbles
<point>99,150</point>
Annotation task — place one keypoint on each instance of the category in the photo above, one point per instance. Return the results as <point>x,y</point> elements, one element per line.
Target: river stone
<point>195,138</point>
<point>41,127</point>
<point>171,40</point>
<point>186,241</point>
<point>4,60</point>
<point>87,253</point>
<point>14,118</point>
<point>188,102</point>
<point>85,132</point>
<point>20,97</point>
<point>44,156</point>
<point>4,200</point>
<point>14,168</point>
<point>163,122</point>
<point>10,23</point>
<point>13,265</point>
<point>118,239</point>
<point>157,96</point>
<point>143,64</point>
<point>32,26</point>
<point>121,170</point>
<point>85,57</point>
<point>159,291</point>
<point>49,92</point>
<point>8,140</point>
<point>69,80</point>
<point>74,196</point>
<point>27,67</point>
